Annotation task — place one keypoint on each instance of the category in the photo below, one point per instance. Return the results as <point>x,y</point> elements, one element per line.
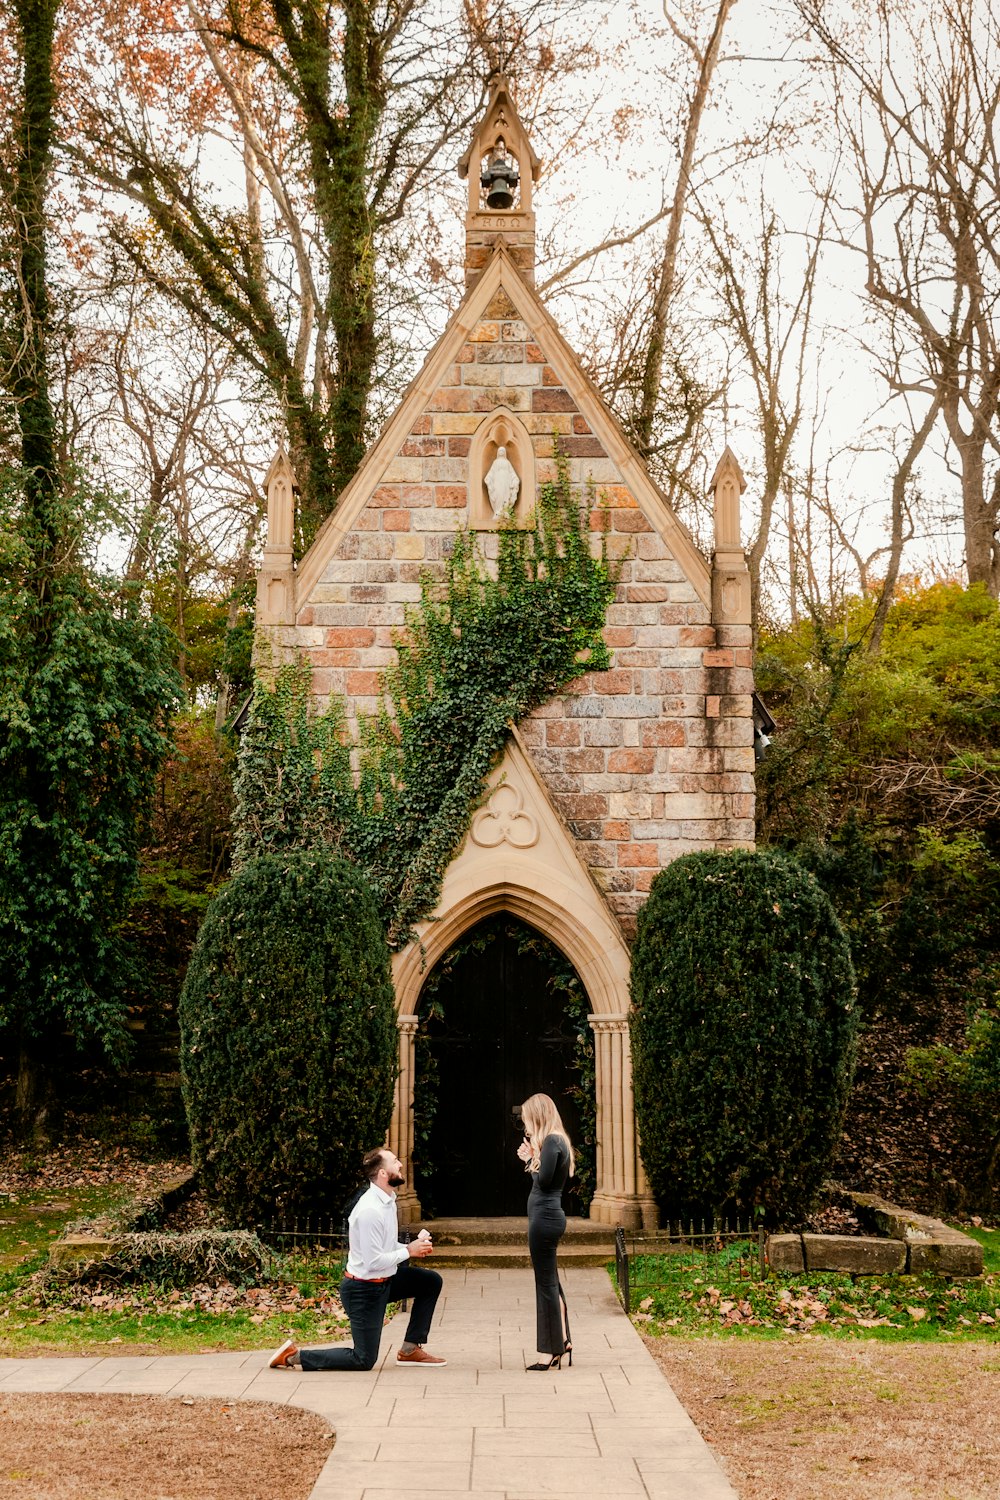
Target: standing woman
<point>548,1156</point>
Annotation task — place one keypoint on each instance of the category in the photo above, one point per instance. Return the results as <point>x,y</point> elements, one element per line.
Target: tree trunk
<point>982,553</point>
<point>28,379</point>
<point>30,1098</point>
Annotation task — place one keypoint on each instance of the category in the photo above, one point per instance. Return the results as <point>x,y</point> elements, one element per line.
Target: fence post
<point>622,1270</point>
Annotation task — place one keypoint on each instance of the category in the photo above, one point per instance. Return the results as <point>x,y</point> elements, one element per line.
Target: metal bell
<point>499,179</point>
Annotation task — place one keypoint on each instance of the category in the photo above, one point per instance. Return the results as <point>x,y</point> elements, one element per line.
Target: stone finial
<point>279,486</point>
<point>728,485</point>
<point>276,574</point>
<point>730,575</point>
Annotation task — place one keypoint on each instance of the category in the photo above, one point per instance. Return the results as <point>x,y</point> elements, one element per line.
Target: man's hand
<point>420,1248</point>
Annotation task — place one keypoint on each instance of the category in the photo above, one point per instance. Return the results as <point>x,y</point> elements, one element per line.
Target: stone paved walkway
<point>610,1426</point>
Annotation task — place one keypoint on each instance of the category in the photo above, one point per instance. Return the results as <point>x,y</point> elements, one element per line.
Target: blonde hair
<point>541,1119</point>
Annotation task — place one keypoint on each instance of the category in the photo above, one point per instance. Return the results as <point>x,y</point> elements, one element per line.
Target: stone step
<point>480,1243</point>
<point>482,1257</point>
<point>511,1232</point>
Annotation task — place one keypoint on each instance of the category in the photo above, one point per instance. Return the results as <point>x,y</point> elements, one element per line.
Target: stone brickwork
<point>645,761</point>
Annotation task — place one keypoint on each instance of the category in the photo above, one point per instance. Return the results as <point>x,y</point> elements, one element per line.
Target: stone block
<point>638,762</point>
<point>523,375</point>
<point>631,706</point>
<point>947,1253</point>
<point>636,854</point>
<point>606,732</point>
<point>552,398</point>
<point>403,471</point>
<point>410,547</point>
<point>454,422</point>
<point>482,375</point>
<point>77,1249</point>
<point>856,1255</point>
<point>784,1253</point>
<point>501,354</point>
<point>629,805</point>
<point>446,471</point>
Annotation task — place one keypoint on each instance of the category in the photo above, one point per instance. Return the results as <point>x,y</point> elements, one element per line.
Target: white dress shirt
<point>375,1250</point>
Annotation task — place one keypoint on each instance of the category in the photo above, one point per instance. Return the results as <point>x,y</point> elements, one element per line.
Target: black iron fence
<point>727,1253</point>
<point>310,1235</point>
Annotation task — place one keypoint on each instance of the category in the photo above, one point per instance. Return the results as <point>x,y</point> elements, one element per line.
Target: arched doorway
<point>502,1015</point>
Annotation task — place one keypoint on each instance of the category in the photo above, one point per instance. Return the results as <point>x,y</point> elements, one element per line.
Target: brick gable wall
<point>644,762</point>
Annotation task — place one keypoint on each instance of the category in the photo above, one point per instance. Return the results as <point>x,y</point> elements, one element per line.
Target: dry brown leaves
<point>58,1447</point>
<point>819,1418</point>
<point>83,1164</point>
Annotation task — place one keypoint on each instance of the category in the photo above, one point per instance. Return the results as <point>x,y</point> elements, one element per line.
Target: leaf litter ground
<point>818,1418</point>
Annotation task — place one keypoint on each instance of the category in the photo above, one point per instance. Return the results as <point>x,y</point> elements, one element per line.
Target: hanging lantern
<point>499,178</point>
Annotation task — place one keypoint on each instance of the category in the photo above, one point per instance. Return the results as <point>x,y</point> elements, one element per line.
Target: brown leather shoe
<point>283,1358</point>
<point>419,1356</point>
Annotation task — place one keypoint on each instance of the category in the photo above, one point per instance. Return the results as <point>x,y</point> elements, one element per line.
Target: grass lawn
<point>686,1295</point>
<point>299,1300</point>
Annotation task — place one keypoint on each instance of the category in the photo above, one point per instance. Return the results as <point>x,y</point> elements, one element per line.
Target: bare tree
<point>332,123</point>
<point>706,56</point>
<point>772,331</point>
<point>918,101</point>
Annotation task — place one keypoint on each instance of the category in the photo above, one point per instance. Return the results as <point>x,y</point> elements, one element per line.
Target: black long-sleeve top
<point>553,1167</point>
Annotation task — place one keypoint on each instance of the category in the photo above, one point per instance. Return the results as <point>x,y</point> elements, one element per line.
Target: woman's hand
<point>524,1150</point>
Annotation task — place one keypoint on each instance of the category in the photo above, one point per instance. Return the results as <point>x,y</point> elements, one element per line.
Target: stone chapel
<point>604,785</point>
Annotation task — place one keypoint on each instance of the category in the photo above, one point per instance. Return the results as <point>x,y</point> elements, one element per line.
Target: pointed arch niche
<point>501,429</point>
<point>519,858</point>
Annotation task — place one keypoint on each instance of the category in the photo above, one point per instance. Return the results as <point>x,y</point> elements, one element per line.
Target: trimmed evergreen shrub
<point>288,1037</point>
<point>743,1034</point>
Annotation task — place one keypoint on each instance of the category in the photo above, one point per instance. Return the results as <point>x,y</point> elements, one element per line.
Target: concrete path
<point>610,1426</point>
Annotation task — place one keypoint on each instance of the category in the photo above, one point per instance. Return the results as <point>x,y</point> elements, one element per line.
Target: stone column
<point>400,1137</point>
<point>622,1195</point>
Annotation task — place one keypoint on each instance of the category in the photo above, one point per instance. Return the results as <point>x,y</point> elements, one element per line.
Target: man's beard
<point>395,1182</point>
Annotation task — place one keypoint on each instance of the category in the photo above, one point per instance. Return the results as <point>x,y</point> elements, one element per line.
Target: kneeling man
<point>379,1271</point>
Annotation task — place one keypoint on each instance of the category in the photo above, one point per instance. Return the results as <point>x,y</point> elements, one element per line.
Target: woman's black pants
<point>546,1227</point>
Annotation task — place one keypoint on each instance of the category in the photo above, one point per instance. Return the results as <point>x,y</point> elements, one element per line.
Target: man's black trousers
<point>365,1303</point>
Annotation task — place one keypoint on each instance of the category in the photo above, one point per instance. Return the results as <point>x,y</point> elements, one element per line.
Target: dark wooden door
<point>502,1035</point>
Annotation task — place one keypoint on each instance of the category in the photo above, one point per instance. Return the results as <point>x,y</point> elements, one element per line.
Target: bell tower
<point>501,168</point>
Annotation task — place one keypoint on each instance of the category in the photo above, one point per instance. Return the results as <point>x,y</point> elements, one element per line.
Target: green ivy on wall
<point>481,649</point>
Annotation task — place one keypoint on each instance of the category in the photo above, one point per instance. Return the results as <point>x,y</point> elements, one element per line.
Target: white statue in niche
<point>502,484</point>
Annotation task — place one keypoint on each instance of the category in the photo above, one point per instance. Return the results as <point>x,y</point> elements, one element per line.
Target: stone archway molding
<point>519,857</point>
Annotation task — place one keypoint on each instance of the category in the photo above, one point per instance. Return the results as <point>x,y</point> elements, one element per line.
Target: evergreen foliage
<point>481,650</point>
<point>743,1033</point>
<point>85,695</point>
<point>288,1037</point>
<point>884,778</point>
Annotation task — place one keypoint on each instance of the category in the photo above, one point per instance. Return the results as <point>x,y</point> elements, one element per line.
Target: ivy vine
<point>481,649</point>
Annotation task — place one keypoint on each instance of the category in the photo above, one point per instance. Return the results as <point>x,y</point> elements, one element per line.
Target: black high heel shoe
<point>555,1363</point>
<point>569,1353</point>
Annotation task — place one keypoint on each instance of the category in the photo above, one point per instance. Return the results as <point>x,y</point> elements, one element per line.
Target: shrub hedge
<point>288,1037</point>
<point>743,1033</point>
